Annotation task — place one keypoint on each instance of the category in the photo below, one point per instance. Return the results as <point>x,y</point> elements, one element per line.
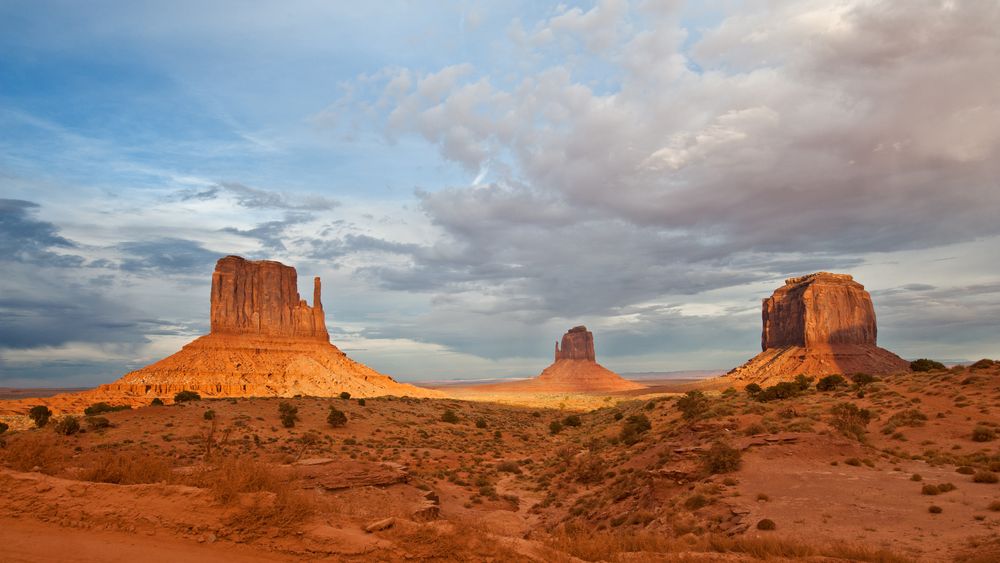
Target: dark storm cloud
<point>26,239</point>
<point>272,235</point>
<point>255,198</point>
<point>167,256</point>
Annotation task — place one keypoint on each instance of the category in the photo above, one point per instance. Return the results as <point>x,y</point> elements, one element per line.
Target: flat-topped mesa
<point>577,344</point>
<point>262,298</point>
<point>820,309</point>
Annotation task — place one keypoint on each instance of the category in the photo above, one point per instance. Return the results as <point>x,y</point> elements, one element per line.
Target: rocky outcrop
<point>818,324</point>
<point>816,310</point>
<point>577,344</point>
<point>264,341</point>
<point>262,298</point>
<point>575,369</point>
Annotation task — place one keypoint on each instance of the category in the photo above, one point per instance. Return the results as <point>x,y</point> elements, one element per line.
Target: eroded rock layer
<point>818,324</point>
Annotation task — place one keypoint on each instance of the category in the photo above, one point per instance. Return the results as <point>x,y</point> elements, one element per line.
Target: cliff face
<point>819,309</point>
<point>818,324</point>
<point>262,298</point>
<point>577,344</point>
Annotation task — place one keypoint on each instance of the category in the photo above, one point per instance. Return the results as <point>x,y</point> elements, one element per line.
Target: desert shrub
<point>33,451</point>
<point>909,417</point>
<point>916,477</point>
<point>935,509</point>
<point>635,426</point>
<point>361,402</point>
<point>803,381</point>
<point>509,467</point>
<point>572,420</point>
<point>850,420</point>
<point>860,380</point>
<point>994,506</point>
<point>186,396</point>
<point>783,390</point>
<point>766,524</point>
<point>591,469</point>
<point>830,382</point>
<point>923,364</point>
<point>692,405</point>
<point>102,407</point>
<point>336,417</point>
<point>157,402</point>
<point>127,468</point>
<point>966,470</point>
<point>345,395</point>
<point>449,416</point>
<point>209,415</point>
<point>40,415</point>
<point>67,426</point>
<point>721,458</point>
<point>288,413</point>
<point>234,475</point>
<point>618,416</point>
<point>985,477</point>
<point>555,427</point>
<point>753,389</point>
<point>945,487</point>
<point>695,501</point>
<point>983,434</point>
<point>984,363</point>
<point>3,427</point>
<point>97,422</point>
<point>480,422</point>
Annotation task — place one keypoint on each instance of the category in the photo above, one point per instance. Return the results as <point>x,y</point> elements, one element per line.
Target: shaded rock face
<point>262,298</point>
<point>819,309</point>
<point>817,325</point>
<point>577,344</point>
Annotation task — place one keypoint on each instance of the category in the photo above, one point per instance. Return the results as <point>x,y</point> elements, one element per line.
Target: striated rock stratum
<point>574,369</point>
<point>264,341</point>
<point>817,324</point>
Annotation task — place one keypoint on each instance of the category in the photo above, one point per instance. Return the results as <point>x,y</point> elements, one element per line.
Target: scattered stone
<point>380,525</point>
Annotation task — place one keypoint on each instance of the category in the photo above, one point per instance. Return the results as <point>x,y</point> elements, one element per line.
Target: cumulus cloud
<point>255,198</point>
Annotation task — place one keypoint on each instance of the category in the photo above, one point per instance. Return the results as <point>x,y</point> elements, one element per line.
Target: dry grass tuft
<point>127,468</point>
<point>34,451</point>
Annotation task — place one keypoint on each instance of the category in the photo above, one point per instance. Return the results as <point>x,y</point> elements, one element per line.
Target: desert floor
<point>496,484</point>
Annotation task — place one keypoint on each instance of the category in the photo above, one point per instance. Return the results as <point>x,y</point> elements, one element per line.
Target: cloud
<point>25,239</point>
<point>167,256</point>
<point>255,198</point>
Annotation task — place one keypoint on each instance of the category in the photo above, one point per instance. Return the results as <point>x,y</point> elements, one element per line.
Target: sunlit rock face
<point>818,324</point>
<point>264,341</point>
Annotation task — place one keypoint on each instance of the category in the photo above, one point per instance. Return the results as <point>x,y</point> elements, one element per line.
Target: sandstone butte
<point>574,369</point>
<point>264,341</point>
<point>819,324</point>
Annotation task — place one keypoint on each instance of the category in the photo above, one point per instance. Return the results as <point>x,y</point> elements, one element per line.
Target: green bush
<point>721,458</point>
<point>3,427</point>
<point>984,363</point>
<point>935,509</point>
<point>480,422</point>
<point>157,402</point>
<point>67,426</point>
<point>555,427</point>
<point>336,418</point>
<point>449,416</point>
<point>101,408</point>
<point>783,390</point>
<point>635,426</point>
<point>830,382</point>
<point>860,380</point>
<point>509,467</point>
<point>803,381</point>
<point>345,395</point>
<point>923,364</point>
<point>692,405</point>
<point>983,434</point>
<point>985,477</point>
<point>361,402</point>
<point>209,415</point>
<point>753,389</point>
<point>97,422</point>
<point>186,396</point>
<point>572,420</point>
<point>766,524</point>
<point>288,413</point>
<point>850,420</point>
<point>40,415</point>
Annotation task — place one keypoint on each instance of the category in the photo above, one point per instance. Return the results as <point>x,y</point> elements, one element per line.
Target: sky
<point>471,179</point>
